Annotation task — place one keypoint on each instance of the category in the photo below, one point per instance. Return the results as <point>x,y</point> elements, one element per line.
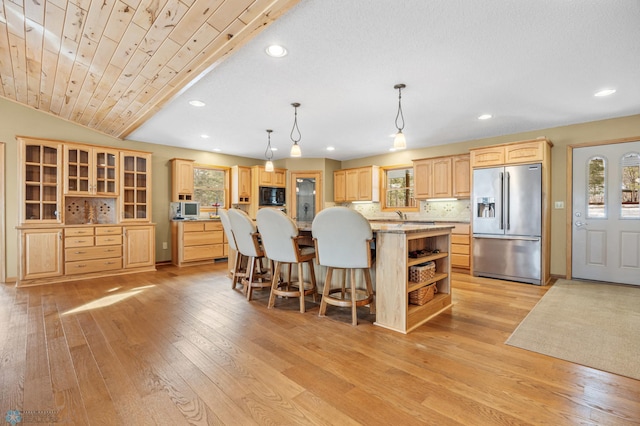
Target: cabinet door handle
<point>79,252</point>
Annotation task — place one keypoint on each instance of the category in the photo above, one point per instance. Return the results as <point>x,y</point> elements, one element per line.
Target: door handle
<point>580,224</point>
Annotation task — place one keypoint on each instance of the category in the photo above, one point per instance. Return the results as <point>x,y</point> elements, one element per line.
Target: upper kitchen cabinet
<point>40,190</point>
<point>339,186</point>
<point>276,178</point>
<point>90,171</point>
<point>531,151</point>
<point>442,177</point>
<point>240,185</point>
<point>359,184</point>
<point>181,180</point>
<point>461,176</point>
<point>136,186</point>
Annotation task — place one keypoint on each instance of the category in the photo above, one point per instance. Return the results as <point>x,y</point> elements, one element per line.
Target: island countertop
<point>391,228</point>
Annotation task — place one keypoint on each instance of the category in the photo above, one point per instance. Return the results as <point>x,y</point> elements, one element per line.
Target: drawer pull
<point>79,252</point>
<point>109,263</point>
<point>109,250</point>
<point>109,239</point>
<point>81,266</point>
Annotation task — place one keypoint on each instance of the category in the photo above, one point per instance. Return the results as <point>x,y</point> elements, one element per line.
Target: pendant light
<point>295,148</point>
<point>268,166</point>
<point>399,142</point>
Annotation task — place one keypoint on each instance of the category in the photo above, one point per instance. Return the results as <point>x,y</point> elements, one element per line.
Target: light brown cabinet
<point>339,186</point>
<point>276,178</point>
<point>240,185</point>
<point>181,180</point>
<point>40,176</point>
<point>460,247</point>
<point>532,151</point>
<point>69,228</point>
<point>41,254</point>
<point>442,177</point>
<point>461,176</point>
<point>393,310</point>
<point>136,190</point>
<point>197,242</point>
<point>139,246</point>
<point>90,171</point>
<point>92,249</point>
<point>359,184</point>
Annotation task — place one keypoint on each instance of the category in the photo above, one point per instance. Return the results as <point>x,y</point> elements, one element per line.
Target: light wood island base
<point>393,245</point>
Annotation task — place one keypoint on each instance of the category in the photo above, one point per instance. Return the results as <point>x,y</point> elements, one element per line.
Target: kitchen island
<point>400,247</point>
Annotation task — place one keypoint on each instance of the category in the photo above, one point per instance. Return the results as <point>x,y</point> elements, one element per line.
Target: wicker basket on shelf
<point>422,272</point>
<point>423,294</point>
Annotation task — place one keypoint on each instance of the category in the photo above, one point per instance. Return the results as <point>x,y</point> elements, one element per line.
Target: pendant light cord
<point>268,153</point>
<point>295,125</point>
<point>399,114</point>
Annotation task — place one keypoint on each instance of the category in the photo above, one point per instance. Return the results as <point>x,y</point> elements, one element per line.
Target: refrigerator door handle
<point>502,199</point>
<point>507,200</point>
<point>499,237</point>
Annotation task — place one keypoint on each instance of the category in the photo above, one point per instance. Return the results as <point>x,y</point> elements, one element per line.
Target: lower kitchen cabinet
<point>41,254</point>
<point>55,254</point>
<point>139,246</point>
<point>197,242</point>
<point>460,247</point>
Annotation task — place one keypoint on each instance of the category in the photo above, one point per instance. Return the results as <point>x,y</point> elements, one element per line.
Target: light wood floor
<point>180,347</point>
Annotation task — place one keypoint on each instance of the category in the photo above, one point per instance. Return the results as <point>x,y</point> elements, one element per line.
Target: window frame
<point>227,185</point>
<point>383,189</point>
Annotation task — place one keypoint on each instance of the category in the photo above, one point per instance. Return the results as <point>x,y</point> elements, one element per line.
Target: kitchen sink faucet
<point>402,215</point>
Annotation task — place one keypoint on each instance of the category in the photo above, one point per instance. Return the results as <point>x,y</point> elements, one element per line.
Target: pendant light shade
<point>399,141</point>
<point>295,148</point>
<point>268,166</point>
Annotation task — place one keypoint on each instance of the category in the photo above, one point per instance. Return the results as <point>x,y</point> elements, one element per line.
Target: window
<point>630,206</point>
<point>210,186</point>
<point>597,184</point>
<point>397,186</point>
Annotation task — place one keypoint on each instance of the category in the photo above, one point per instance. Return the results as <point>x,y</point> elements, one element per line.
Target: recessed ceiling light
<point>196,103</point>
<point>485,116</point>
<point>204,136</point>
<point>330,148</point>
<point>276,51</point>
<point>273,148</point>
<point>605,92</point>
<point>217,149</point>
<point>392,149</point>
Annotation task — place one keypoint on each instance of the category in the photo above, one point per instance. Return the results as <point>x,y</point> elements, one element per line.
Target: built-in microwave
<point>270,196</point>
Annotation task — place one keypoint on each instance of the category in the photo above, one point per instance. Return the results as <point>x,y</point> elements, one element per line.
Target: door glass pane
<point>597,188</point>
<point>629,207</point>
<point>305,199</point>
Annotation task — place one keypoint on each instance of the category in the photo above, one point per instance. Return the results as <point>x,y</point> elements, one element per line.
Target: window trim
<point>227,184</point>
<point>383,189</point>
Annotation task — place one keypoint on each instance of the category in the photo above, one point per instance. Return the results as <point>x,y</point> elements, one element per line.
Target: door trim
<point>569,202</point>
<point>3,242</point>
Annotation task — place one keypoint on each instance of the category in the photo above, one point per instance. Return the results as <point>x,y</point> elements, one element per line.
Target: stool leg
<point>236,269</point>
<point>354,308</point>
<point>367,279</point>
<point>301,286</point>
<point>275,275</point>
<point>325,292</point>
<point>250,269</point>
<point>312,274</point>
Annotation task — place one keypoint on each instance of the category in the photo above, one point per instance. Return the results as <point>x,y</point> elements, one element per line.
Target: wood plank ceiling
<point>111,64</point>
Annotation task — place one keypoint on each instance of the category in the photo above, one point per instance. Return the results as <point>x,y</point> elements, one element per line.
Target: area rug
<point>592,324</point>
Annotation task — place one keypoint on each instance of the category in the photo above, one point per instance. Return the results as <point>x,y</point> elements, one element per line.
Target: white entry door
<point>606,213</point>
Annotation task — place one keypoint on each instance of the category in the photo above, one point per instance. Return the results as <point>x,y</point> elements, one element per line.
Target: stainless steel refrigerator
<point>507,223</point>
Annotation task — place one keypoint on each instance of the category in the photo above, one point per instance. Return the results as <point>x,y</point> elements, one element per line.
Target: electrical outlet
<point>164,245</point>
<point>559,205</point>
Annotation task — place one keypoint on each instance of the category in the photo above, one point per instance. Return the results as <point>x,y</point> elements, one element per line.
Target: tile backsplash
<point>456,210</point>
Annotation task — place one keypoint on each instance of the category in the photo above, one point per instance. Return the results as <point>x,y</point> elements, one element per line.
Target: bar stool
<point>237,273</point>
<point>248,243</point>
<point>281,242</point>
<point>343,238</point>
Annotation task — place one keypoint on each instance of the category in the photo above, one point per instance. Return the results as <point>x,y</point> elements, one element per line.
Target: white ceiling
<point>531,64</point>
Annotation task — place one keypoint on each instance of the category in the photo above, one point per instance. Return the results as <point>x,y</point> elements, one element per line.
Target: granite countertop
<point>213,219</point>
<point>416,220</point>
<point>395,228</point>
